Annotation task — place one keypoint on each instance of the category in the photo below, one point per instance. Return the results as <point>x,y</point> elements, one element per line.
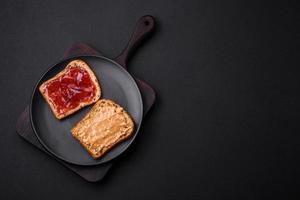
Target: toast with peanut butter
<point>104,126</point>
<point>71,89</point>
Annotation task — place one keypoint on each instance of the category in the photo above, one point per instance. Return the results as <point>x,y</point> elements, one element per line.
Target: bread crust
<point>81,64</point>
<point>100,129</point>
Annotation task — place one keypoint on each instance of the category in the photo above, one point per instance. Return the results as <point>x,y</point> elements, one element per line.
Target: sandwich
<point>104,126</point>
<point>71,89</point>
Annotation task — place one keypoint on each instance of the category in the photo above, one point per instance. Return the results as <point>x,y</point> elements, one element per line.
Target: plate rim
<point>98,162</point>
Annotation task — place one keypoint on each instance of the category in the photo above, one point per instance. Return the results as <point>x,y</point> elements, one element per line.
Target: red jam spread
<point>70,89</point>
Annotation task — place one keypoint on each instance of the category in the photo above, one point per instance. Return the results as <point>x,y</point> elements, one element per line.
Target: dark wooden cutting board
<point>89,173</point>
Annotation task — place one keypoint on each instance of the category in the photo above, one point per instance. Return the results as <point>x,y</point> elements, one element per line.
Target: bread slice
<point>79,102</point>
<point>105,125</point>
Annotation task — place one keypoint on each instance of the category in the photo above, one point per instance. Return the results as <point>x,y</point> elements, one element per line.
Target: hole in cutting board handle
<point>146,23</point>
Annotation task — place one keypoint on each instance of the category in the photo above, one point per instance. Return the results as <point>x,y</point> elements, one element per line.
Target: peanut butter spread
<point>104,126</point>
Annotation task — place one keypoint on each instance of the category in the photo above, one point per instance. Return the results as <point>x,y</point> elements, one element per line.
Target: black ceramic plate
<point>116,84</point>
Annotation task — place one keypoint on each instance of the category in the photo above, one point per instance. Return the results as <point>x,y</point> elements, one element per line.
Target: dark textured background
<point>226,121</point>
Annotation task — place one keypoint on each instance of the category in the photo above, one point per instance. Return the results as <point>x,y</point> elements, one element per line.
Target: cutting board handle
<point>143,28</point>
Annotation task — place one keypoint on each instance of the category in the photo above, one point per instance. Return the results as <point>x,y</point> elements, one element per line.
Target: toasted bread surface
<point>105,125</point>
<point>78,64</point>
